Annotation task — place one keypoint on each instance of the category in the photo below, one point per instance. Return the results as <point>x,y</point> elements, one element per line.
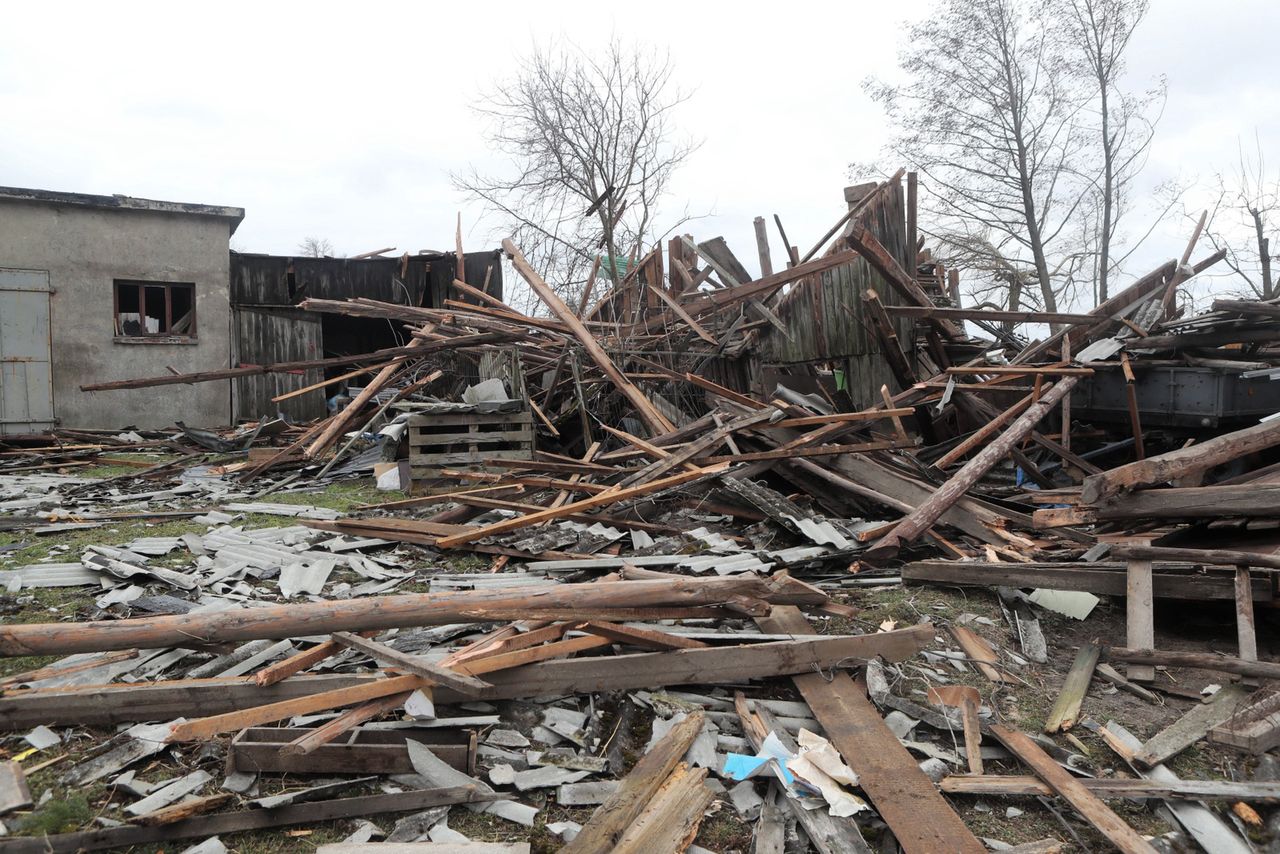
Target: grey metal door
<point>26,376</point>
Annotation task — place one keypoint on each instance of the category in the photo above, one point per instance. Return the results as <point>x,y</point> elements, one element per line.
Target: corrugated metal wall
<point>825,316</point>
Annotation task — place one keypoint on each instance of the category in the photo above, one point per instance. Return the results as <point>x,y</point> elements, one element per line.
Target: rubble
<point>623,594</point>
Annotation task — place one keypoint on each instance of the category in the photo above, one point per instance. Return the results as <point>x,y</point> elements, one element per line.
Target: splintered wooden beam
<point>599,500</point>
<point>655,420</point>
<point>1093,810</point>
<point>1162,790</point>
<point>1066,711</point>
<point>1181,462</point>
<point>612,818</point>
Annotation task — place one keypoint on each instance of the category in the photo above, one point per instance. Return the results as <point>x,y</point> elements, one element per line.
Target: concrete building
<point>101,288</point>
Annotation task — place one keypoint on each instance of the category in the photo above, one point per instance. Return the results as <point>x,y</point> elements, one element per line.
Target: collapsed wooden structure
<point>837,402</point>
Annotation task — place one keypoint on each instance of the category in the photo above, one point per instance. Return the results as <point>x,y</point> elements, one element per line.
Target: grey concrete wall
<point>85,251</point>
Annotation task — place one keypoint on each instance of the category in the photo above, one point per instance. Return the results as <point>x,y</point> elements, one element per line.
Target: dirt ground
<point>1024,704</point>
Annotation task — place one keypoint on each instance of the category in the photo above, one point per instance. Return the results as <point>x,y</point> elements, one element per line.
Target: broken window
<point>155,310</point>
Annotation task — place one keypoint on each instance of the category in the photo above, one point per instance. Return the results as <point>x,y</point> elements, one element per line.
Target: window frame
<point>167,336</point>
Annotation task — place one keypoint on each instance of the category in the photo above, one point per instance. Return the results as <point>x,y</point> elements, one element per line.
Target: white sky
<point>344,121</point>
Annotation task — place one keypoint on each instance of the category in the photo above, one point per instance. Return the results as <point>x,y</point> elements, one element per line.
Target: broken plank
<point>1191,727</point>
<point>1073,792</point>
<point>980,652</point>
<point>1066,711</point>
<point>612,818</point>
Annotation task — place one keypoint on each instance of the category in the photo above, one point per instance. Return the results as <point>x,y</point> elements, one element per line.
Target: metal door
<point>26,377</point>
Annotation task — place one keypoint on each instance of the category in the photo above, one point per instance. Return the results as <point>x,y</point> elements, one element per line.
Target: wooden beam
<point>204,728</point>
<point>1140,628</point>
<point>883,262</point>
<point>992,315</point>
<point>244,820</point>
<point>1116,787</point>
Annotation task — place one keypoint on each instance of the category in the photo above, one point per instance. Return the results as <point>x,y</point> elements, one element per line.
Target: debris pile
<point>631,584</point>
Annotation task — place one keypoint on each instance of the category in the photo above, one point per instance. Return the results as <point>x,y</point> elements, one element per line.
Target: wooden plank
<point>1191,727</point>
<point>921,821</point>
<point>598,500</point>
<point>204,728</point>
<point>1197,660</point>
<point>1093,810</point>
<point>368,751</point>
<point>655,420</point>
<point>1140,628</point>
<point>253,819</point>
<point>982,653</point>
<point>1066,711</point>
<point>434,674</point>
<point>703,443</point>
<point>1181,462</point>
<point>1200,557</point>
<point>762,246</point>
<point>883,262</point>
<point>1113,787</point>
<point>1255,727</point>
<point>684,316</point>
<point>516,658</point>
<point>612,818</point>
<point>841,417</point>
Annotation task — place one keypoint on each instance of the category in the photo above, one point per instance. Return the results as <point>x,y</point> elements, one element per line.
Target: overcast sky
<point>343,121</point>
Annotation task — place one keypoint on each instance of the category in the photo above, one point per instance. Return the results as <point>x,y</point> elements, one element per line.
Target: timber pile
<point>676,545</point>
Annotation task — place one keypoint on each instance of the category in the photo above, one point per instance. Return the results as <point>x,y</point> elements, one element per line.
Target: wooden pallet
<point>467,439</point>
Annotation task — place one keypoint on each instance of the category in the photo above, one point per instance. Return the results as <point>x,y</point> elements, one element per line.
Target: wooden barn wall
<point>263,280</point>
<point>266,335</point>
<point>825,316</point>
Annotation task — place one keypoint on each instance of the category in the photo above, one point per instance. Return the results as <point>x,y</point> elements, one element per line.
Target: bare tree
<point>1098,33</point>
<point>315,247</point>
<point>592,146</point>
<point>988,114</point>
<point>1243,220</point>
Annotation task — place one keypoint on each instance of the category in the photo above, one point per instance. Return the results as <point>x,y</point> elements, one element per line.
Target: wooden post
<point>1248,641</point>
<point>762,246</point>
<point>912,239</point>
<point>1140,617</point>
